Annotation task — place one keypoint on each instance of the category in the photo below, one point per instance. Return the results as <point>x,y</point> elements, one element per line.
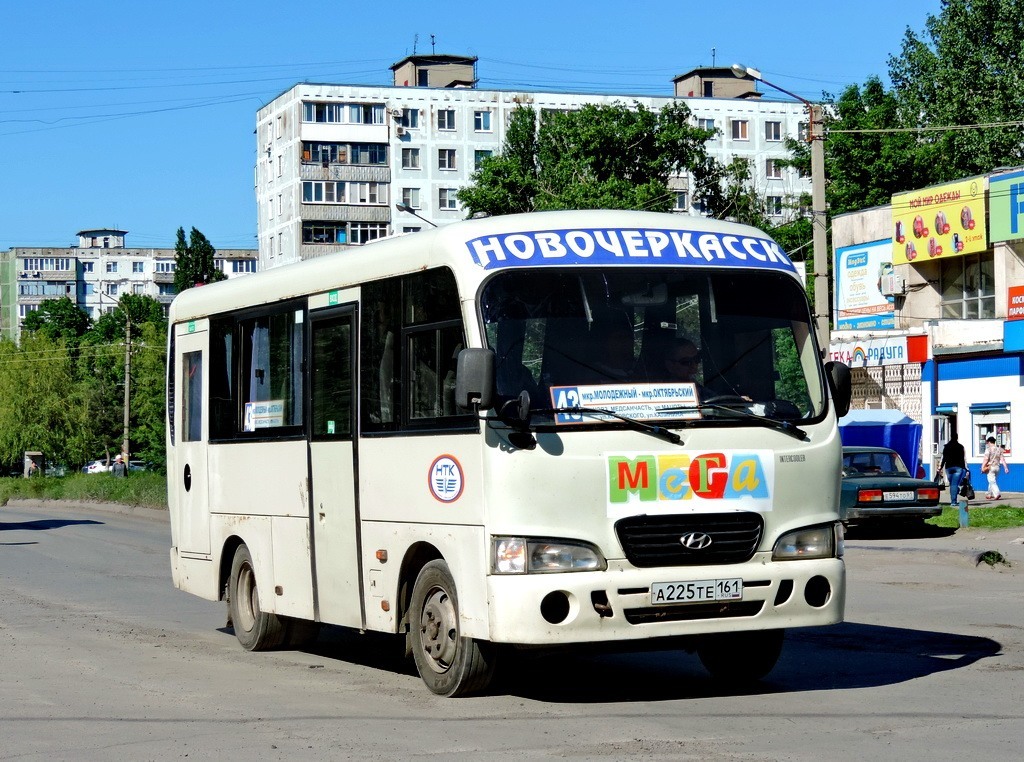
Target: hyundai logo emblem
<point>695,540</point>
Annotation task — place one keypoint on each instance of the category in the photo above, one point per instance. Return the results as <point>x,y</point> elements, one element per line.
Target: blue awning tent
<point>884,428</point>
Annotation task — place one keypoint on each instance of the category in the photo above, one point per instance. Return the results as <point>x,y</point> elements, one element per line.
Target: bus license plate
<point>891,496</point>
<point>698,591</point>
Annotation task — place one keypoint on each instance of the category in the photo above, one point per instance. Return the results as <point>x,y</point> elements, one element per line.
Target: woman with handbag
<point>994,458</point>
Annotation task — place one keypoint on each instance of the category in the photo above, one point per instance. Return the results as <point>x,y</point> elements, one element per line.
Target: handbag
<point>966,488</point>
<point>940,480</point>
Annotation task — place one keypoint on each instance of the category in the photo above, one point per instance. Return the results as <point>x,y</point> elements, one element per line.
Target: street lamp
<point>816,137</point>
<point>406,208</point>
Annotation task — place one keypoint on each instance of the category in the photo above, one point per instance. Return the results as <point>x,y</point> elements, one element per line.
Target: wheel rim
<point>439,632</point>
<point>248,598</point>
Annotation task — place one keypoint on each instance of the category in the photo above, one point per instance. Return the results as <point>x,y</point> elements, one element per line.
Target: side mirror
<point>841,384</point>
<point>474,379</point>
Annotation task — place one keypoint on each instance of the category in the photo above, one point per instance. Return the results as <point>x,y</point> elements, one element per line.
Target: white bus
<point>471,436</point>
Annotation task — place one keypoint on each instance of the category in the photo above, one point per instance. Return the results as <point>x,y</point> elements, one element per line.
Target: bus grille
<point>651,541</point>
<point>693,611</point>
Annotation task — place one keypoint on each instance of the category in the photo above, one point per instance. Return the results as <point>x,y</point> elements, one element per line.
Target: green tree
<point>194,261</point>
<point>596,157</point>
<point>58,319</point>
<point>966,68</point>
<point>140,320</point>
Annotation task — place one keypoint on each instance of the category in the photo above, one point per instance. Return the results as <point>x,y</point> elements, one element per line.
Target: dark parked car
<point>876,485</point>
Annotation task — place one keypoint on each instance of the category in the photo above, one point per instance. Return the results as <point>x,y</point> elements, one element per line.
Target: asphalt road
<point>100,658</point>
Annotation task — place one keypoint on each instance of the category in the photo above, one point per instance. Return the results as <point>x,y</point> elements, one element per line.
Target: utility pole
<point>819,215</point>
<point>127,381</point>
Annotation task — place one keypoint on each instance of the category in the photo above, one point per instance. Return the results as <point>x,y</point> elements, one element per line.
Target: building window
<point>279,204</point>
<point>364,232</point>
<point>164,267</point>
<point>446,198</point>
<point>138,288</point>
<point>24,309</point>
<point>324,153</point>
<point>369,153</point>
<point>317,192</point>
<point>112,289</point>
<point>411,197</point>
<point>343,113</point>
<point>482,121</point>
<point>773,131</point>
<point>996,424</point>
<point>166,289</point>
<point>410,158</point>
<point>739,129</point>
<point>479,156</point>
<point>367,193</point>
<point>411,229</point>
<point>446,158</point>
<point>87,267</point>
<point>772,169</point>
<point>446,119</point>
<point>709,89</point>
<point>410,118</point>
<point>707,124</point>
<point>88,289</point>
<point>682,200</point>
<point>773,206</point>
<point>322,232</point>
<point>967,286</point>
<point>243,265</point>
<point>47,263</point>
<point>138,267</point>
<point>111,267</point>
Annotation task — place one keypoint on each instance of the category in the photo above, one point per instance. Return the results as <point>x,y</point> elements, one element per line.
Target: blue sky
<point>140,116</point>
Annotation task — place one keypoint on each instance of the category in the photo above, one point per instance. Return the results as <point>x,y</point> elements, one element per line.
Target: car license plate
<point>909,495</point>
<point>698,591</point>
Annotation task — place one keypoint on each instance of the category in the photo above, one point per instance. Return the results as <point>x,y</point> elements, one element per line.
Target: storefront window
<point>967,285</point>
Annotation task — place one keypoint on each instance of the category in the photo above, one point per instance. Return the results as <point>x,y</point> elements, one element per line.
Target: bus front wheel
<point>450,665</point>
<point>741,657</point>
<point>255,629</point>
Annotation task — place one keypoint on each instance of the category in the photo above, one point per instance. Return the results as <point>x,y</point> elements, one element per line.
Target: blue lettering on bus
<point>618,246</point>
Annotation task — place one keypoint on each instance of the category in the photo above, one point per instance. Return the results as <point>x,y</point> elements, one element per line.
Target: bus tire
<point>255,629</point>
<point>448,663</point>
<point>739,658</point>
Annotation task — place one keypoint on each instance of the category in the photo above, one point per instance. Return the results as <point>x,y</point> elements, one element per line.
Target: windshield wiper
<point>633,423</point>
<point>786,427</point>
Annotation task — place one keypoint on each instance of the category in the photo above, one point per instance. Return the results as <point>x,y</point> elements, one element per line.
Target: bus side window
<point>192,397</point>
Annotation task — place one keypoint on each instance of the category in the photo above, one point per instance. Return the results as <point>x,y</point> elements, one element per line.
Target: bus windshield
<point>737,338</point>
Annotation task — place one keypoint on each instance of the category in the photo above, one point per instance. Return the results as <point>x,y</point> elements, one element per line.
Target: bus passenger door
<point>190,488</point>
<point>334,511</point>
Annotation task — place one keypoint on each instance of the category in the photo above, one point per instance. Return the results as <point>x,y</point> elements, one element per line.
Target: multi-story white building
<point>341,165</point>
<point>94,274</point>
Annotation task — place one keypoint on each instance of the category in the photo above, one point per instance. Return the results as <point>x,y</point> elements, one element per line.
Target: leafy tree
<point>966,68</point>
<point>194,261</point>
<point>597,157</point>
<point>58,319</point>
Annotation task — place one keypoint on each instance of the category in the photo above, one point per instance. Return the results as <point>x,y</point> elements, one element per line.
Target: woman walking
<point>994,458</point>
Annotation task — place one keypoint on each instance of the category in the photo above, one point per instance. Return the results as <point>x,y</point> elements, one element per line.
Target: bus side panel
<point>259,478</point>
<point>424,489</point>
<point>292,568</point>
<point>464,548</point>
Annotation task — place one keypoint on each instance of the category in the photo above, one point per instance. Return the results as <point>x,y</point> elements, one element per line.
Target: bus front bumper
<point>616,604</point>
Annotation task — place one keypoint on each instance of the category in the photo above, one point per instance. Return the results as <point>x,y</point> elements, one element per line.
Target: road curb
<point>154,514</point>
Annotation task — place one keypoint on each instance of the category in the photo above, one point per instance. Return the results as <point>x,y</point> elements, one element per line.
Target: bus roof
<point>475,248</point>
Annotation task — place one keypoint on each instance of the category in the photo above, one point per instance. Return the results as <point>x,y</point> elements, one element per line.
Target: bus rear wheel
<point>449,664</point>
<point>739,658</point>
<point>255,629</point>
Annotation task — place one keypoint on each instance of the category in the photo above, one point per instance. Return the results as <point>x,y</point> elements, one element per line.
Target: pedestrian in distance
<point>120,468</point>
<point>953,459</point>
<point>994,458</point>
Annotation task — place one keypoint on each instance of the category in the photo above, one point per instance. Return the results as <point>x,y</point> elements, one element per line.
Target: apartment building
<point>94,274</point>
<point>341,165</point>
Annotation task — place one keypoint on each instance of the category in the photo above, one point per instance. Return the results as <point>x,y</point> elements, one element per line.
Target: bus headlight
<point>523,555</point>
<point>810,542</point>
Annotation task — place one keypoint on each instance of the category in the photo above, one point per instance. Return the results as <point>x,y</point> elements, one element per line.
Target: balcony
<point>163,277</point>
<point>346,212</point>
<point>348,172</point>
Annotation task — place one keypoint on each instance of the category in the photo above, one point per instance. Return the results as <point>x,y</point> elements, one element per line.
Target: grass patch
<point>142,488</point>
<point>994,517</point>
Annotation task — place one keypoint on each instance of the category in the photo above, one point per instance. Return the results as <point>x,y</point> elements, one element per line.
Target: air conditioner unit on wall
<point>891,285</point>
<point>399,131</point>
<point>396,113</point>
